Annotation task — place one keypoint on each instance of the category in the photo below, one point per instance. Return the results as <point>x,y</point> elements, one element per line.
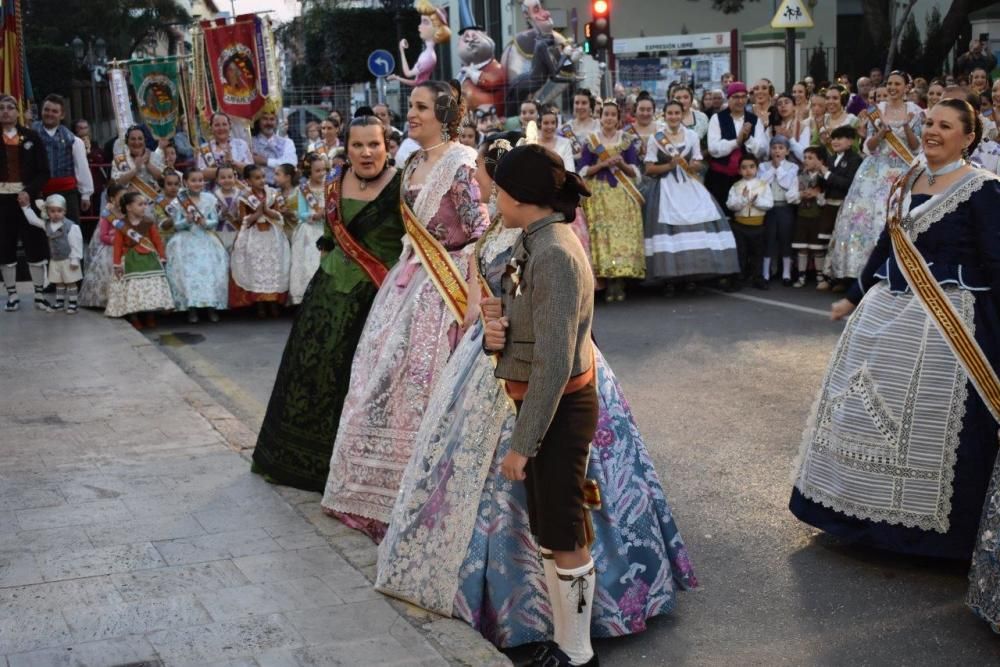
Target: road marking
<point>198,365</point>
<point>772,302</point>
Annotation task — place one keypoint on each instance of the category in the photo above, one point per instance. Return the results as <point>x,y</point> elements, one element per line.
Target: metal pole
<point>789,58</point>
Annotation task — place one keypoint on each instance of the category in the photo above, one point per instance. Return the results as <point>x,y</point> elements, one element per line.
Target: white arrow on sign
<point>383,63</point>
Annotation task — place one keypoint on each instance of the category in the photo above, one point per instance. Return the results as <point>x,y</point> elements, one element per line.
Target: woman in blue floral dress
<point>458,541</point>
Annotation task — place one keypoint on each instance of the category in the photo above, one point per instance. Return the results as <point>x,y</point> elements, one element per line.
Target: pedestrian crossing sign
<point>792,14</point>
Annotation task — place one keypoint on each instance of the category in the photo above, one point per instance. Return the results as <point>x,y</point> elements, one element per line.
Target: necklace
<point>428,150</point>
<point>932,174</point>
<point>363,182</point>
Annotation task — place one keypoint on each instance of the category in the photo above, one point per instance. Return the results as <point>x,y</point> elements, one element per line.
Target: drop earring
<point>444,134</point>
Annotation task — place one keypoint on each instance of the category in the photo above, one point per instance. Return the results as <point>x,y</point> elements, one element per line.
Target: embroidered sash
<point>940,309</point>
<point>190,208</point>
<point>603,154</point>
<point>247,196</point>
<point>897,145</point>
<point>441,268</point>
<point>368,262</point>
<point>310,198</point>
<point>671,150</point>
<point>567,131</point>
<point>207,156</point>
<point>133,234</point>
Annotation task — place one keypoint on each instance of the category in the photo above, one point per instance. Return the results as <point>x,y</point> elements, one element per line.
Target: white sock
<point>71,295</point>
<point>786,268</point>
<point>60,295</point>
<point>37,275</point>
<point>767,268</point>
<point>576,592</point>
<point>555,601</point>
<point>803,262</point>
<point>9,273</point>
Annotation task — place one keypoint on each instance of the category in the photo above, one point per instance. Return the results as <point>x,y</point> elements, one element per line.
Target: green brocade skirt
<point>299,429</point>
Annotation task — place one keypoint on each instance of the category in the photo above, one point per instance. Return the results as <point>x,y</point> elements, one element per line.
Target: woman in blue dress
<point>900,447</point>
<point>198,266</point>
<point>458,541</point>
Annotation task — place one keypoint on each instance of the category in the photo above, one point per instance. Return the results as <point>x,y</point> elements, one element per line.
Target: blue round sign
<point>381,63</point>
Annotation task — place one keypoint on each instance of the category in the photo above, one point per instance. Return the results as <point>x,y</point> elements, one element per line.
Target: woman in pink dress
<point>433,30</point>
<point>410,332</point>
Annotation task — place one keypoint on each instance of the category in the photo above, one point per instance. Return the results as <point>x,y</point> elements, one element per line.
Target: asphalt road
<point>721,387</point>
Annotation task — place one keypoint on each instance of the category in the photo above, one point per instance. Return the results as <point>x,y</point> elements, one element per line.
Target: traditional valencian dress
<point>687,234</point>
<point>260,259</point>
<point>297,436</point>
<point>614,215</point>
<point>899,448</point>
<point>99,265</point>
<point>139,250</point>
<point>198,269</point>
<point>407,340</point>
<point>862,215</point>
<point>305,254</point>
<point>229,217</point>
<point>459,542</point>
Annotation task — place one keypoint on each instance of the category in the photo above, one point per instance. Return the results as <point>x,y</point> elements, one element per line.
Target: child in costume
<point>311,209</point>
<point>65,247</point>
<point>140,284</point>
<point>838,175</point>
<point>545,313</point>
<point>812,228</point>
<point>749,199</point>
<point>286,178</point>
<point>228,195</point>
<point>163,211</point>
<point>779,222</point>
<point>260,259</point>
<point>100,253</point>
<point>198,270</point>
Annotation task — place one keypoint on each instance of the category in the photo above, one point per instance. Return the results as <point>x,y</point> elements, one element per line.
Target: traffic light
<point>600,26</point>
<point>587,27</point>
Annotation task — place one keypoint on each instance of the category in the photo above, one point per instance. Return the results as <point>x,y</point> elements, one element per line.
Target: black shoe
<point>761,284</point>
<point>554,657</point>
<point>787,282</point>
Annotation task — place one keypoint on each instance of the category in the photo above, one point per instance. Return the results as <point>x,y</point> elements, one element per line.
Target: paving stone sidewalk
<point>132,531</point>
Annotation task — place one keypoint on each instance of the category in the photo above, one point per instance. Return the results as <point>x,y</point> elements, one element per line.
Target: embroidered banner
<point>602,153</point>
<point>368,262</point>
<point>940,309</point>
<point>157,91</point>
<point>120,101</point>
<point>438,263</point>
<point>235,64</point>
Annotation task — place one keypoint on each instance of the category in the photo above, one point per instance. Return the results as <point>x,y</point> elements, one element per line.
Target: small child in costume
<point>198,270</point>
<point>140,284</point>
<point>65,247</point>
<point>779,222</point>
<point>311,208</point>
<point>261,256</point>
<point>812,228</point>
<point>838,174</point>
<point>163,205</point>
<point>228,195</point>
<point>750,199</point>
<point>286,179</point>
<point>99,266</point>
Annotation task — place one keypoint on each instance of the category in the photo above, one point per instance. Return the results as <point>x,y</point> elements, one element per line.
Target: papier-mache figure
<point>539,62</point>
<point>483,77</point>
<point>433,30</point>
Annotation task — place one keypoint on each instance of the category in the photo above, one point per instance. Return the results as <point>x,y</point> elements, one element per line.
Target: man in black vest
<point>24,167</point>
<point>732,132</point>
<point>69,170</point>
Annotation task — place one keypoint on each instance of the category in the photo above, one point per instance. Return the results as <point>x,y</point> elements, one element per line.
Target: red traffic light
<point>600,7</point>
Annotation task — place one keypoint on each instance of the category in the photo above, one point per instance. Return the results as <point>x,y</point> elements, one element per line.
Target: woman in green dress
<point>361,241</point>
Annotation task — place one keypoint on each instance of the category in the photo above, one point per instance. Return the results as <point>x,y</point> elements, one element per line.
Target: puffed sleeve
<point>468,203</point>
<point>588,158</point>
<point>984,205</point>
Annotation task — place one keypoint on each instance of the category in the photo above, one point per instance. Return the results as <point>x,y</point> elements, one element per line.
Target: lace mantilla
<point>949,203</point>
<point>439,180</point>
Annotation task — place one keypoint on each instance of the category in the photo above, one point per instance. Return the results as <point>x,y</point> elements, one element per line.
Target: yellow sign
<point>792,14</point>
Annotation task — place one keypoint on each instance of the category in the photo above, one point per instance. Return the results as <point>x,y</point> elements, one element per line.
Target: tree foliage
<point>730,6</point>
<point>910,47</point>
<point>332,44</point>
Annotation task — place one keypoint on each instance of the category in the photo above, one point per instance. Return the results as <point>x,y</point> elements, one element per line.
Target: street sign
<point>381,63</point>
<point>792,14</point>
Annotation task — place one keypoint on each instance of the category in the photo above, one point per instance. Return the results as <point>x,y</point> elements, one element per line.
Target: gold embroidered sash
<point>897,145</point>
<point>603,154</point>
<point>671,150</point>
<point>449,281</point>
<point>941,311</point>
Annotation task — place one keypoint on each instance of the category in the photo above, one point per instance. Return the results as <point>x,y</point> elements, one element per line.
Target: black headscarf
<point>532,174</point>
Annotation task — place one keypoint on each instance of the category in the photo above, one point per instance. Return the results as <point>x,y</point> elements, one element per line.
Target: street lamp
<point>92,56</point>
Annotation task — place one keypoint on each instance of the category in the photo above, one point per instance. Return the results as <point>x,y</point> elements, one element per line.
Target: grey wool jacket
<point>548,298</point>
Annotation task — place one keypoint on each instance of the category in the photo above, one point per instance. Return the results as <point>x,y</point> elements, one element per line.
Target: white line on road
<point>772,302</point>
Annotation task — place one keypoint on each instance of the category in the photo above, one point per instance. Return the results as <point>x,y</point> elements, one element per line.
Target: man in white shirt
<point>732,132</point>
<point>269,148</point>
<point>69,171</point>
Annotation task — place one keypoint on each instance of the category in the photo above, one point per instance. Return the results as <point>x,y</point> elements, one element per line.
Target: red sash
<point>369,263</point>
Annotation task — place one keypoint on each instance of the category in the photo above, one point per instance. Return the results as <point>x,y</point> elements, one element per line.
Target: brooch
<point>514,270</point>
<point>28,145</point>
